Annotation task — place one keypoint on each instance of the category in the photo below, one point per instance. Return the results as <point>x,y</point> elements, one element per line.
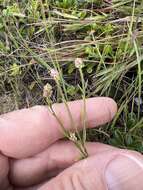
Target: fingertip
<point>112,105</point>
<point>100,110</point>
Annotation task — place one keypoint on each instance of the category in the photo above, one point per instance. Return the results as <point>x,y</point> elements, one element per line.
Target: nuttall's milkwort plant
<point>77,138</point>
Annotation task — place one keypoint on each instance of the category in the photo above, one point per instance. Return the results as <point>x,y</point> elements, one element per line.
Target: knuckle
<point>74,179</point>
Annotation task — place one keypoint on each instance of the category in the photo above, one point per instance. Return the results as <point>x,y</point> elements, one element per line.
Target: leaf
<point>71,68</point>
<point>129,139</point>
<point>65,15</point>
<point>15,70</point>
<point>71,90</point>
<point>19,15</point>
<point>32,85</point>
<point>119,137</point>
<point>90,68</point>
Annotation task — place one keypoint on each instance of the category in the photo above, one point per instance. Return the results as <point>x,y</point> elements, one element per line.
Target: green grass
<point>36,36</point>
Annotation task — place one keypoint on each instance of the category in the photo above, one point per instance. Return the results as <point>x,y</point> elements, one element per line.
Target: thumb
<point>125,171</point>
<point>113,170</point>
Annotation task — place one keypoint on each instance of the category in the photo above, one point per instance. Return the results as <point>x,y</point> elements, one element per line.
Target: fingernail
<point>124,173</point>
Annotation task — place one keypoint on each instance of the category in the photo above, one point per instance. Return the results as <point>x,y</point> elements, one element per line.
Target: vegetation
<point>37,36</point>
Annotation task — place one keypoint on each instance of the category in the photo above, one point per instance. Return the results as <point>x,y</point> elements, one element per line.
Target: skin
<point>33,155</point>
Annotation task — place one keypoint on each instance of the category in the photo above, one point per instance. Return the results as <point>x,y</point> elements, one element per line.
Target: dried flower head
<point>79,63</point>
<point>91,32</point>
<point>73,137</point>
<point>54,74</point>
<point>47,91</point>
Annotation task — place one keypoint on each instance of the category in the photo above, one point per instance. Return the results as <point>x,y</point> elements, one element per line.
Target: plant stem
<point>84,107</point>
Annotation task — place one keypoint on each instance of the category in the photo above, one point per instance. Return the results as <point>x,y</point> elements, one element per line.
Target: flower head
<point>54,74</point>
<point>79,63</point>
<point>73,137</point>
<point>47,91</point>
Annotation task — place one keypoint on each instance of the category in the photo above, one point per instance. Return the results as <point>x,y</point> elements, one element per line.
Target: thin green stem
<point>68,110</point>
<point>84,106</point>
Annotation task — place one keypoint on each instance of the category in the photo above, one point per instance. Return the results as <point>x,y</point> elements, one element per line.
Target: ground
<point>36,36</point>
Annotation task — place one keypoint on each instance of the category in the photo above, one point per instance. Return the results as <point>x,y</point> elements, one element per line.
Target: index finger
<point>27,132</point>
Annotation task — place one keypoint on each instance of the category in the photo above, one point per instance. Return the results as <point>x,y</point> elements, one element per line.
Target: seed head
<point>47,91</point>
<point>54,74</point>
<point>91,32</point>
<point>79,63</point>
<point>73,137</point>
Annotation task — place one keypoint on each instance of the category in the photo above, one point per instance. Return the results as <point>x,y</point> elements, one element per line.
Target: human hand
<point>32,152</point>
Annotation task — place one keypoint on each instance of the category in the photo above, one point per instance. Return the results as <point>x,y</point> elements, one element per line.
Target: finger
<point>4,169</point>
<point>56,158</point>
<point>35,187</point>
<point>116,169</point>
<point>27,132</point>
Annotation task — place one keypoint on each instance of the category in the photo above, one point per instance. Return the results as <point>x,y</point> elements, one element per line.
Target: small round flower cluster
<point>54,74</point>
<point>47,91</point>
<point>73,137</point>
<point>79,63</point>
